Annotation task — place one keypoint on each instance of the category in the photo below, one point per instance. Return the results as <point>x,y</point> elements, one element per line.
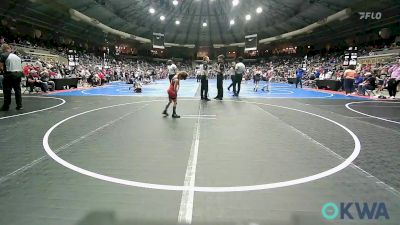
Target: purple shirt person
<point>395,71</point>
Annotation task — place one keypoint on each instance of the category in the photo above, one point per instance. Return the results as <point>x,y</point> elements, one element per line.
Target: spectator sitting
<point>46,82</point>
<point>368,84</point>
<point>33,80</point>
<point>317,74</point>
<point>359,80</point>
<point>137,87</point>
<point>328,75</point>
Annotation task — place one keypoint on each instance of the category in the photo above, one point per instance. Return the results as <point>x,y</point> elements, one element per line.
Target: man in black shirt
<point>11,65</point>
<point>220,77</point>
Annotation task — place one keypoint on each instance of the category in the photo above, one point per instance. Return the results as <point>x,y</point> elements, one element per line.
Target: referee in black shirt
<point>11,65</point>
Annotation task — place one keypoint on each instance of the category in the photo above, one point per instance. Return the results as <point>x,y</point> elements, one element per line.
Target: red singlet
<point>171,90</point>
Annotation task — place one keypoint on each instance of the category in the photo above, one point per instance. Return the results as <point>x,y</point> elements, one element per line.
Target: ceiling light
<point>175,2</point>
<point>151,10</point>
<point>248,17</point>
<point>232,22</point>
<point>162,18</point>
<point>204,24</point>
<point>177,22</point>
<point>259,10</point>
<point>235,2</point>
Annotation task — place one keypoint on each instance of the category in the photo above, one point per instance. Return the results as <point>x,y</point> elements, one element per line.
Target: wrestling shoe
<point>176,116</point>
<point>165,113</point>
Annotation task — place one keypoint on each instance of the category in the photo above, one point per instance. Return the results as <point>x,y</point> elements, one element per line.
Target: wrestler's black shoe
<point>176,116</point>
<point>165,113</point>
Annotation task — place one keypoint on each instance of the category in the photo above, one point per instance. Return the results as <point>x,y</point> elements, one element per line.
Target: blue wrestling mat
<point>190,88</point>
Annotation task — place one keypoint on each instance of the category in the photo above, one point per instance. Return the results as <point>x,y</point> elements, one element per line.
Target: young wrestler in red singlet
<point>173,92</point>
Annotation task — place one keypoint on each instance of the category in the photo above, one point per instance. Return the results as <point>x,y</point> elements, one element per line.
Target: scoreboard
<point>251,42</point>
<point>158,41</point>
<point>350,56</point>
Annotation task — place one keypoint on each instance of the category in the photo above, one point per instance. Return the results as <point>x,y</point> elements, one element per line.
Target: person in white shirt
<point>240,69</point>
<point>11,65</point>
<point>198,74</point>
<point>220,69</point>
<point>268,77</point>
<point>257,78</point>
<point>172,69</point>
<point>231,73</point>
<point>328,75</point>
<point>322,76</point>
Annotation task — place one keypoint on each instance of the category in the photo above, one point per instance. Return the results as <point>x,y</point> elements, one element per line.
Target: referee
<point>172,69</point>
<point>204,79</point>
<point>240,68</point>
<point>220,69</point>
<point>11,65</point>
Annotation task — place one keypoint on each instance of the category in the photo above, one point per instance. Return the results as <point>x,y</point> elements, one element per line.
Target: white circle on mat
<point>287,183</point>
<point>365,114</point>
<point>39,110</point>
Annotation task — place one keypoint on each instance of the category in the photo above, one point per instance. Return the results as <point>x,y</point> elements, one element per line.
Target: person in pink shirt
<point>394,79</point>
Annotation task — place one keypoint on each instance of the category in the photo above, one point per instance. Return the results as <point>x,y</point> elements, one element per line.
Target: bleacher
<point>40,53</point>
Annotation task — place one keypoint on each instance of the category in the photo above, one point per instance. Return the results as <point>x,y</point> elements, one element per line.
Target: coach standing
<point>299,76</point>
<point>12,67</point>
<point>220,77</point>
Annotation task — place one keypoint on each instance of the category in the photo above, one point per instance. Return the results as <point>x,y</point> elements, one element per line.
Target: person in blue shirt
<point>299,75</point>
<point>316,74</point>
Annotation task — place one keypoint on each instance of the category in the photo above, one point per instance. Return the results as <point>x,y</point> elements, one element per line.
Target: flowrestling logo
<point>370,15</point>
<point>355,210</point>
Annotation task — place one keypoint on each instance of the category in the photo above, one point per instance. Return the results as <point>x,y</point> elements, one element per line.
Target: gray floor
<point>246,144</point>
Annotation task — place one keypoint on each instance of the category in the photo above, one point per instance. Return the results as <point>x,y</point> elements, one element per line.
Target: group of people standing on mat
<point>236,75</point>
<point>175,77</point>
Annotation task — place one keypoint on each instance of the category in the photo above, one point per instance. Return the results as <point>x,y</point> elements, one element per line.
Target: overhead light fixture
<point>232,22</point>
<point>162,18</point>
<point>177,22</point>
<point>259,10</point>
<point>248,17</point>
<point>175,2</point>
<point>152,11</point>
<point>235,2</point>
<point>204,24</point>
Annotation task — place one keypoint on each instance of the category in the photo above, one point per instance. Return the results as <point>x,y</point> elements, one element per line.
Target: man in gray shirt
<point>11,65</point>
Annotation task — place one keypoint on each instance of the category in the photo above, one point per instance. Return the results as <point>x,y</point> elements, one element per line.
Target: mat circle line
<point>341,166</point>
<point>39,110</point>
<point>368,115</point>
